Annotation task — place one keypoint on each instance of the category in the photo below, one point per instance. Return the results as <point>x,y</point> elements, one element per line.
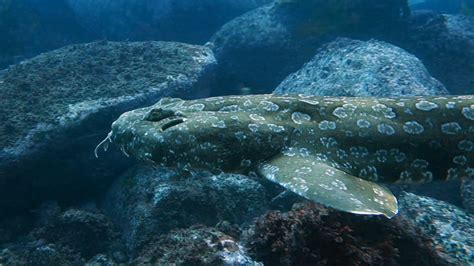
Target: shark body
<point>332,150</point>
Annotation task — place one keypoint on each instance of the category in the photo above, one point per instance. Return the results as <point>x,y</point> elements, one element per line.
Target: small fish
<point>338,151</point>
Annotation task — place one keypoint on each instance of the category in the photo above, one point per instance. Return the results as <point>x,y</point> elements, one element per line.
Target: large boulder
<point>313,235</point>
<point>445,44</point>
<point>449,227</point>
<point>197,245</point>
<point>147,202</point>
<point>177,20</point>
<point>347,67</point>
<point>56,107</point>
<point>260,48</point>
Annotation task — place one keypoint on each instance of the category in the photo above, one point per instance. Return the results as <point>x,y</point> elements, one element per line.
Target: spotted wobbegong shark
<point>337,151</point>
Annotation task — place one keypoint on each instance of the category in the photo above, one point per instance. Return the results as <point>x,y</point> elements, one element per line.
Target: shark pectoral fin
<point>329,186</point>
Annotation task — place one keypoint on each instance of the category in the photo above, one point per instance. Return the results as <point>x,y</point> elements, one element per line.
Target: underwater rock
<point>449,227</point>
<point>186,21</point>
<point>146,202</point>
<point>82,232</point>
<point>347,67</point>
<point>313,235</point>
<point>56,107</point>
<point>260,48</point>
<point>38,253</point>
<point>197,245</point>
<point>467,193</point>
<point>445,44</point>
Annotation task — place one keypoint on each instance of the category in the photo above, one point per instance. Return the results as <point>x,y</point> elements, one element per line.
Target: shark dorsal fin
<point>319,181</point>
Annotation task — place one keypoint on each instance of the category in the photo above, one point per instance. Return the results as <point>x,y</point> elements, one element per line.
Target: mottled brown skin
<point>386,140</point>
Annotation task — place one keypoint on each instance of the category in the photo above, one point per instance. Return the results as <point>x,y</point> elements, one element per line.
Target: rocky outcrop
<point>347,67</point>
<point>445,44</point>
<point>56,107</point>
<point>197,245</point>
<point>449,227</point>
<point>186,21</point>
<point>467,192</point>
<point>260,48</point>
<point>313,235</point>
<point>147,202</point>
<point>68,238</point>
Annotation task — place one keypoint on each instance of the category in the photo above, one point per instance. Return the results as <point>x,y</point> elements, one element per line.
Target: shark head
<point>192,135</point>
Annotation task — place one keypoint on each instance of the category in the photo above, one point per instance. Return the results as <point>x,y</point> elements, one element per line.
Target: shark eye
<point>158,114</point>
<point>172,123</point>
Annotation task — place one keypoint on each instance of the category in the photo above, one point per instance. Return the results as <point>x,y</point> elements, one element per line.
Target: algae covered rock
<point>260,48</point>
<point>347,67</point>
<point>445,44</point>
<point>449,227</point>
<point>197,245</point>
<point>146,202</point>
<point>56,107</point>
<point>313,235</point>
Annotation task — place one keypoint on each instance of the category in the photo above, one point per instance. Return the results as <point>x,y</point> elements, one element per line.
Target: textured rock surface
<point>56,107</point>
<point>467,192</point>
<point>196,245</point>
<point>347,67</point>
<point>313,235</point>
<point>260,48</point>
<point>448,226</point>
<point>146,202</point>
<point>445,44</point>
<point>187,21</point>
<point>69,238</point>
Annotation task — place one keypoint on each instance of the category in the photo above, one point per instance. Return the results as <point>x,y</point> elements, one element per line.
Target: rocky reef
<point>347,67</point>
<point>56,107</point>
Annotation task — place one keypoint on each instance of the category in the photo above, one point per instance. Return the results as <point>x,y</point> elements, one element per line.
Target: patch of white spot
<point>450,105</point>
<point>219,124</point>
<point>451,128</point>
<point>326,187</point>
<point>381,155</point>
<point>452,174</point>
<point>240,135</point>
<point>359,151</point>
<point>378,192</point>
<point>386,111</point>
<point>344,111</point>
<point>460,159</point>
<point>196,107</point>
<point>425,106</point>
<point>339,184</point>
<point>256,117</point>
<point>330,172</point>
<point>466,145</point>
<point>269,106</point>
<point>420,164</point>
<point>247,103</point>
<point>327,125</point>
<point>275,128</point>
<point>385,129</point>
<point>399,155</point>
<point>341,154</point>
<point>304,170</point>
<point>246,163</point>
<point>468,112</point>
<point>253,127</point>
<point>413,127</point>
<point>328,142</point>
<point>300,118</point>
<point>362,123</point>
<point>309,101</point>
<point>231,108</point>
